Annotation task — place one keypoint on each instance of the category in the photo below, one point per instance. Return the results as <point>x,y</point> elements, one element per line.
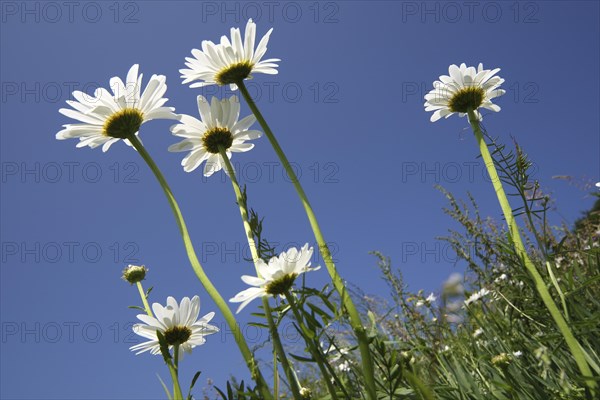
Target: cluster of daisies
<point>105,118</point>
<point>179,323</point>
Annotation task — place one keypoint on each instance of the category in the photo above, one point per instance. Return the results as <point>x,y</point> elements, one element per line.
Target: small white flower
<point>466,88</point>
<point>476,296</point>
<point>344,366</point>
<point>430,299</point>
<point>501,278</point>
<point>277,277</point>
<point>478,332</point>
<point>107,118</point>
<point>230,61</point>
<point>334,353</point>
<point>338,357</point>
<point>178,323</point>
<point>219,127</point>
<point>517,354</point>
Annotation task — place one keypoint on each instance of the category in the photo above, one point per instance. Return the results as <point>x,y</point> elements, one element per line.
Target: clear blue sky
<point>347,106</point>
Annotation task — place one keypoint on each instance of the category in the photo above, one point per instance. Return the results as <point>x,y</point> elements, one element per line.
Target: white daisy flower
<point>277,277</point>
<point>219,127</point>
<point>230,61</point>
<point>107,118</point>
<point>465,89</point>
<point>178,323</point>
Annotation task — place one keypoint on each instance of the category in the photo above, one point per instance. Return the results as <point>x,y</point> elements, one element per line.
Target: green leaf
<point>164,347</point>
<point>301,358</point>
<point>194,379</point>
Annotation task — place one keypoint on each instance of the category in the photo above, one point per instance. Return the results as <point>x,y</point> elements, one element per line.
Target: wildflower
<point>134,273</point>
<point>430,299</point>
<point>107,118</point>
<point>219,127</point>
<point>276,277</point>
<point>464,89</point>
<point>178,323</point>
<point>229,61</point>
<point>477,332</point>
<point>476,296</point>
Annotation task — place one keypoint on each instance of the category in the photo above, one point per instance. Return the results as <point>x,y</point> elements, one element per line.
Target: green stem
<point>199,271</point>
<point>144,299</point>
<point>311,345</point>
<point>294,386</point>
<point>176,357</point>
<point>255,257</point>
<point>174,369</point>
<point>177,394</point>
<point>513,229</point>
<point>275,376</point>
<point>241,203</point>
<point>338,283</point>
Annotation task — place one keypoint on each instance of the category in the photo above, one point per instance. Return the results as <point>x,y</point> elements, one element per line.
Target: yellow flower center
<point>124,123</point>
<point>234,73</point>
<point>177,335</point>
<point>469,98</point>
<point>215,138</point>
<point>281,285</point>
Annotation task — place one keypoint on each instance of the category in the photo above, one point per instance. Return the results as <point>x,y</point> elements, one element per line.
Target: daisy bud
<point>134,273</point>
